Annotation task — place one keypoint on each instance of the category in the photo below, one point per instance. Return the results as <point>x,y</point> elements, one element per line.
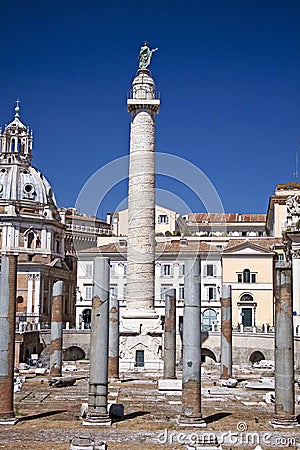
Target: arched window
<point>57,244</point>
<point>20,304</point>
<point>30,239</point>
<point>246,298</point>
<point>209,318</point>
<point>13,146</point>
<point>246,276</point>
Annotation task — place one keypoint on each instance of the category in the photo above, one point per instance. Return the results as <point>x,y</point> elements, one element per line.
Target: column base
<point>86,443</point>
<point>114,379</point>
<point>96,420</point>
<point>140,314</point>
<point>170,386</point>
<point>8,421</point>
<point>284,422</point>
<point>191,421</point>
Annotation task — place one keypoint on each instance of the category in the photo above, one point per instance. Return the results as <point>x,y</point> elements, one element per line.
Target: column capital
<point>295,253</point>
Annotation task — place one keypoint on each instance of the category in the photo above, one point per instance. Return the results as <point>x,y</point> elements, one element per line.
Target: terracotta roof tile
<point>225,218</point>
<point>266,242</point>
<point>161,247</point>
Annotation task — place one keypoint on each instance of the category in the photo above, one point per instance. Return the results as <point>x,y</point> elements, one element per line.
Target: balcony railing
<point>90,230</point>
<point>143,94</point>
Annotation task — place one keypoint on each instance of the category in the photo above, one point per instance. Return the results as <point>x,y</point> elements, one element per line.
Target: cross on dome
<point>17,108</point>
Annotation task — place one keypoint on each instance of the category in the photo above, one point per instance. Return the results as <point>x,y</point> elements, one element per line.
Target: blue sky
<point>228,73</point>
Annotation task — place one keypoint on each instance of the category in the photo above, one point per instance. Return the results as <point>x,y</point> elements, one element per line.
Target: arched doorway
<point>206,353</point>
<point>209,318</point>
<point>256,357</point>
<point>73,353</point>
<point>86,318</point>
<point>247,310</point>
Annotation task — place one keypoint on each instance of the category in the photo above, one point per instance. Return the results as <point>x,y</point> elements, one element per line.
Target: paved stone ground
<point>49,417</point>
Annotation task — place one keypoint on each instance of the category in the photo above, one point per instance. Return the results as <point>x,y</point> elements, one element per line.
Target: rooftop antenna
<point>296,173</point>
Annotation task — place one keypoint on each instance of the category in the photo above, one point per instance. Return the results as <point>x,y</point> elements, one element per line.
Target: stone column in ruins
<point>226,332</point>
<point>170,335</point>
<point>56,330</point>
<point>113,349</point>
<point>143,106</point>
<point>98,384</point>
<point>8,283</point>
<point>191,362</point>
<point>284,349</point>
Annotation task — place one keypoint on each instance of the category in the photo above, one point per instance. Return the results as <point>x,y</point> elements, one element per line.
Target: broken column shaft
<point>226,332</point>
<point>56,330</point>
<point>113,350</point>
<point>191,364</point>
<point>170,335</point>
<point>98,383</point>
<point>284,349</point>
<point>8,283</point>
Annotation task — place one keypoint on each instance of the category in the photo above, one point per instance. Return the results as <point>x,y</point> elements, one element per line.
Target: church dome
<point>20,182</point>
<point>24,183</point>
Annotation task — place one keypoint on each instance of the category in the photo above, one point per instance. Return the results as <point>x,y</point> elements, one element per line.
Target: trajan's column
<point>140,316</point>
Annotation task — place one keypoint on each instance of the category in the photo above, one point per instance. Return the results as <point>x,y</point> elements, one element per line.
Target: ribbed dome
<point>19,180</point>
<point>24,183</point>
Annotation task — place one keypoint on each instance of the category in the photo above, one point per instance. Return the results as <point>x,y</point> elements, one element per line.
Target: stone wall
<point>244,344</point>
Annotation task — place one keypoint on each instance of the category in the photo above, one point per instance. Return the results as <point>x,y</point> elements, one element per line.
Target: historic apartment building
<point>242,256</point>
<point>166,221</point>
<point>82,230</point>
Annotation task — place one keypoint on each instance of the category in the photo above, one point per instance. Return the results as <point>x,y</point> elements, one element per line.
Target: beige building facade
<point>248,268</point>
<point>165,221</point>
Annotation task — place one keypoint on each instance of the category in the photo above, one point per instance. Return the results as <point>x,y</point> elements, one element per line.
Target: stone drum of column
<point>113,349</point>
<point>8,283</point>
<point>170,335</point>
<point>284,349</point>
<point>98,383</point>
<point>226,332</point>
<point>56,330</point>
<point>191,364</point>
